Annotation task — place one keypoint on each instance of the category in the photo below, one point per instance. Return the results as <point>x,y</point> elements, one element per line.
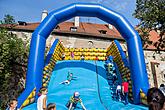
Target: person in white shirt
<point>82,57</point>
<point>118,92</point>
<point>41,102</point>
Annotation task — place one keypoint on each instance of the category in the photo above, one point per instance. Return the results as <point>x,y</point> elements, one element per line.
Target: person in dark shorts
<point>125,85</point>
<point>114,78</point>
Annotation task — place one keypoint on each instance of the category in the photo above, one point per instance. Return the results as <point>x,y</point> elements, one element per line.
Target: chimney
<point>76,21</point>
<point>110,26</point>
<point>44,14</point>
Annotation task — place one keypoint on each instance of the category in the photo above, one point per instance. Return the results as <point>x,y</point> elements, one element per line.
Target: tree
<point>13,62</point>
<point>8,19</point>
<point>151,14</point>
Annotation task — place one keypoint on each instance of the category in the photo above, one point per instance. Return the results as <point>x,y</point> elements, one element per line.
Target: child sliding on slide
<point>69,78</point>
<point>74,100</point>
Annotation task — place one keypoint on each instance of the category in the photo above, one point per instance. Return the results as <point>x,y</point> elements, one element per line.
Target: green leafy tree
<point>13,62</point>
<point>8,19</point>
<point>151,14</point>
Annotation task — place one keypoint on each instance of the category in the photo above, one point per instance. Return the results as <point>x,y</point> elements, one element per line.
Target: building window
<point>73,29</point>
<point>57,27</point>
<point>90,44</point>
<point>22,23</point>
<point>102,31</point>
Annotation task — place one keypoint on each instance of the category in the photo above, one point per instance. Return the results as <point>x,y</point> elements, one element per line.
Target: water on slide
<point>90,81</point>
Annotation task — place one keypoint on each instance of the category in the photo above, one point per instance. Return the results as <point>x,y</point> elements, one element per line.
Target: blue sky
<point>30,10</point>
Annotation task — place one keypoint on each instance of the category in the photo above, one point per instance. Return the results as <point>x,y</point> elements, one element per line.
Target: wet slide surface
<point>93,88</point>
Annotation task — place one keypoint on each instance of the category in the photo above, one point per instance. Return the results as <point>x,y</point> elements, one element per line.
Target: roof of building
<point>89,29</point>
<point>65,27</point>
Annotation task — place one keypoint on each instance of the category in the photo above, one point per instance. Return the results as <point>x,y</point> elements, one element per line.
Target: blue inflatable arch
<point>135,51</point>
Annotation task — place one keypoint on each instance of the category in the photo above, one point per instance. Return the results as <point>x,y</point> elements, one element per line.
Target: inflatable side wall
<point>122,64</point>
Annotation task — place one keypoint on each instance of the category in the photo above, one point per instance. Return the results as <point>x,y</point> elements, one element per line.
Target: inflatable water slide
<point>92,80</point>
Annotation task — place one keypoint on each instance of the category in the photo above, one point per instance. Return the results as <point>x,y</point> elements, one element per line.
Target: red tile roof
<point>29,26</point>
<point>154,36</point>
<point>89,29</point>
<point>84,28</point>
